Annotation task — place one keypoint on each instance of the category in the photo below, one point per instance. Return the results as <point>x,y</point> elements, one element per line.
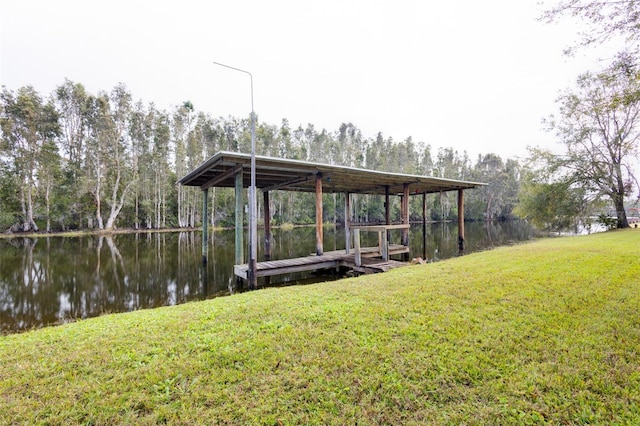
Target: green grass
<point>540,333</point>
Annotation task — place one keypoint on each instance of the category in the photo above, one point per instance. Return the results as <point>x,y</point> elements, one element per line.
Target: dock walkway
<point>371,262</point>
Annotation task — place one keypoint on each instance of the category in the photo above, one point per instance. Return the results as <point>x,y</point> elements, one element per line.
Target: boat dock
<point>268,174</point>
<point>371,262</point>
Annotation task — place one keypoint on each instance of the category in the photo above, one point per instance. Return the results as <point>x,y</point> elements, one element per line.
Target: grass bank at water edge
<point>541,333</point>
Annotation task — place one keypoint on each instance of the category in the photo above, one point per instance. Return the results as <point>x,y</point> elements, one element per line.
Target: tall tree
<point>74,104</point>
<point>181,125</point>
<point>352,144</point>
<point>284,142</point>
<point>162,186</point>
<point>141,133</point>
<point>109,155</point>
<point>598,125</point>
<point>119,144</point>
<point>498,198</point>
<point>73,101</point>
<point>450,165</point>
<point>29,127</point>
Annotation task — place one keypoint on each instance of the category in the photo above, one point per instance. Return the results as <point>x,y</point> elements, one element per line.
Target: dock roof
<point>295,175</point>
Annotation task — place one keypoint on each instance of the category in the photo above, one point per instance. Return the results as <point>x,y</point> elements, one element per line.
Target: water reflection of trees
<point>49,280</point>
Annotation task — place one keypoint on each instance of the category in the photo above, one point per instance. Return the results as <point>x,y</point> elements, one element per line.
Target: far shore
<point>87,232</point>
<point>114,231</point>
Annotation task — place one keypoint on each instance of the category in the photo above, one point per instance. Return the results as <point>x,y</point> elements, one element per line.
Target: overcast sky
<point>474,75</point>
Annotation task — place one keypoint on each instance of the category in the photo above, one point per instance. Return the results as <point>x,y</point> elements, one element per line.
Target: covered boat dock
<point>233,170</point>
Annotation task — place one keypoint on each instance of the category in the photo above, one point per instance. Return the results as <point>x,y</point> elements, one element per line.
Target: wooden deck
<point>371,263</point>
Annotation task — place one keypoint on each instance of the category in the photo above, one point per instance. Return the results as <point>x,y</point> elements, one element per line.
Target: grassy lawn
<point>545,332</point>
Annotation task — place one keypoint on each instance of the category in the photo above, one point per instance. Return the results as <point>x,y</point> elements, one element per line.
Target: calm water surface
<point>45,281</point>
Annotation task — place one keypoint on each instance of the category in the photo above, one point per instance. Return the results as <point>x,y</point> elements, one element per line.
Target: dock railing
<point>383,240</point>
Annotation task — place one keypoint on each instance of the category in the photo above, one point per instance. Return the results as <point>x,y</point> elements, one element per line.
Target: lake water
<point>51,280</point>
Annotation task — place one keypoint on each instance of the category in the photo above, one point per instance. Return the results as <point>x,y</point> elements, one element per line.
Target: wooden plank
<point>288,266</point>
<point>298,268</point>
<point>372,268</point>
<point>369,262</point>
<point>379,228</point>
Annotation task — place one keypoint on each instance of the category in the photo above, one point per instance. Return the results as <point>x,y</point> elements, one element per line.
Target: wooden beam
<point>239,243</point>
<point>221,177</point>
<point>461,220</point>
<point>387,207</point>
<point>319,222</point>
<point>285,184</point>
<point>378,228</point>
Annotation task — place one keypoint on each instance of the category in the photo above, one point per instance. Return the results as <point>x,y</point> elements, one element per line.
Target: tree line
<point>74,160</point>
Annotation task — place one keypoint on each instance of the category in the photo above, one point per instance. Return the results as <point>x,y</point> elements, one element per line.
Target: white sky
<point>473,75</point>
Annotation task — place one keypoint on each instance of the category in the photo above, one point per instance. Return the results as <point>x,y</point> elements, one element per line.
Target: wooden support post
<point>319,222</point>
<point>239,220</point>
<point>385,246</point>
<point>387,210</point>
<point>405,214</point>
<point>461,220</point>
<point>267,226</point>
<point>424,209</point>
<point>205,225</point>
<point>347,222</point>
<point>356,248</point>
<point>387,207</point>
<point>424,226</point>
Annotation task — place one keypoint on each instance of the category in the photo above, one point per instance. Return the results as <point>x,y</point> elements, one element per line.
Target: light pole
<point>253,209</point>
